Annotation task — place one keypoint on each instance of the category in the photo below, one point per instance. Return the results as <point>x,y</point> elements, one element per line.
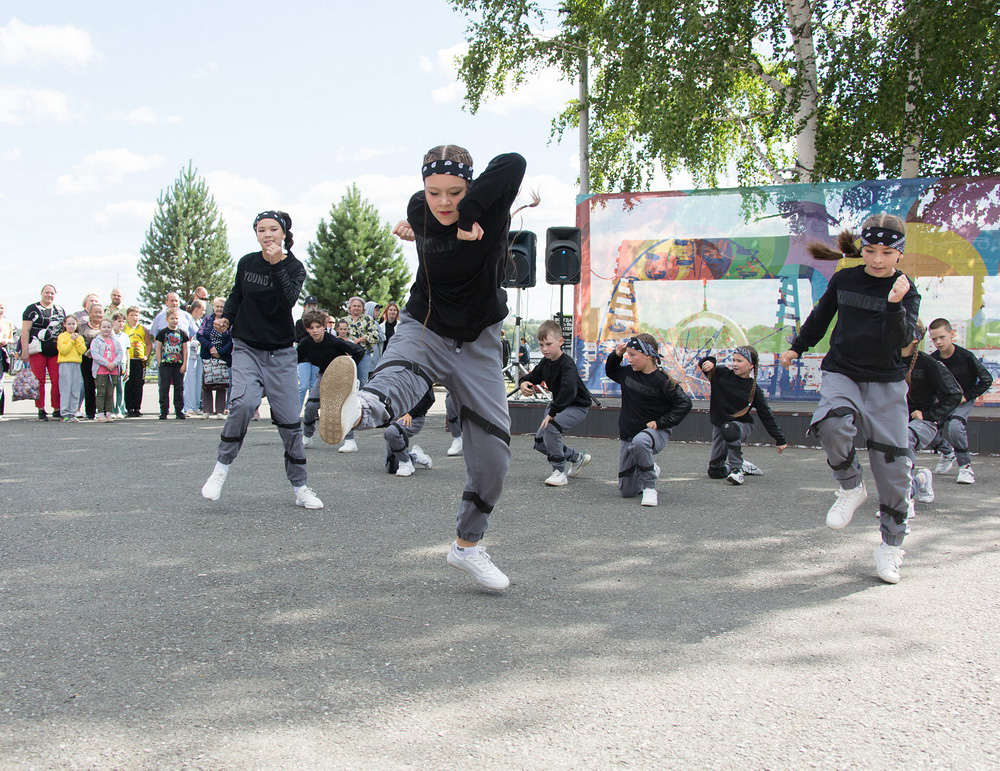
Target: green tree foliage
<point>186,245</point>
<point>355,254</point>
<point>784,90</point>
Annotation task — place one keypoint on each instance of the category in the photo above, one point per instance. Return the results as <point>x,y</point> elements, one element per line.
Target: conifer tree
<point>355,253</point>
<point>186,245</point>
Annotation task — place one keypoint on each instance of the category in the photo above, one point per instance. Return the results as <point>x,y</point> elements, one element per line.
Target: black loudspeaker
<point>562,256</point>
<point>522,246</point>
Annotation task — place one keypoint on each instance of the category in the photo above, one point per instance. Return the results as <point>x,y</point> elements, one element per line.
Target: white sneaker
<point>649,497</point>
<point>307,441</point>
<point>212,489</point>
<point>966,476</point>
<point>577,467</point>
<point>421,458</point>
<point>206,416</point>
<point>456,447</point>
<point>339,403</point>
<point>735,478</point>
<point>557,479</point>
<point>751,470</point>
<point>348,446</point>
<point>479,565</point>
<point>405,469</point>
<point>887,561</point>
<point>304,496</point>
<point>842,511</point>
<point>944,464</point>
<point>925,486</point>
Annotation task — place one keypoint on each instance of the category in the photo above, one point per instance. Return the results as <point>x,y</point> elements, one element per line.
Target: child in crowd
<point>118,328</point>
<point>71,347</point>
<point>653,404</point>
<point>734,394</point>
<point>454,427</point>
<point>400,458</point>
<point>975,380</point>
<point>140,346</point>
<point>216,351</point>
<point>864,379</point>
<point>318,348</point>
<point>107,355</point>
<point>932,396</point>
<point>570,402</point>
<point>171,359</point>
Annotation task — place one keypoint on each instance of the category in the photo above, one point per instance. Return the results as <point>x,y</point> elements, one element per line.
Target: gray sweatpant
<point>635,461</point>
<point>397,441</point>
<point>881,410</point>
<point>451,413</point>
<point>256,374</point>
<point>727,456</point>
<point>954,435</point>
<point>470,371</point>
<point>549,440</point>
<point>311,414</point>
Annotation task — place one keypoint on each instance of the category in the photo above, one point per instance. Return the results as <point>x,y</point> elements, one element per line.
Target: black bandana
<point>884,236</point>
<point>642,347</point>
<point>277,216</point>
<point>455,168</point>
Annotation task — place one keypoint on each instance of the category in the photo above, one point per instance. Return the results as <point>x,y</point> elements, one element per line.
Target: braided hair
<point>918,335</point>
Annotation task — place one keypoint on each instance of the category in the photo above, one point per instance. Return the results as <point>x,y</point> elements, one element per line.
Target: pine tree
<point>355,254</point>
<point>186,245</point>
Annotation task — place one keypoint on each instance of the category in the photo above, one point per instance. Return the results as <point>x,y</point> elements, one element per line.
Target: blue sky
<point>276,104</point>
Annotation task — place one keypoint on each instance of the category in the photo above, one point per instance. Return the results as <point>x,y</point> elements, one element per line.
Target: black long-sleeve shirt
<point>563,381</point>
<point>260,306</point>
<point>870,330</point>
<point>457,291</point>
<point>425,403</point>
<point>326,350</point>
<point>646,397</point>
<point>968,370</point>
<point>731,393</point>
<point>932,390</point>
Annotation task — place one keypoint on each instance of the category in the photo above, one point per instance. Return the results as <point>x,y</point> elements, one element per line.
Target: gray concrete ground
<point>144,627</point>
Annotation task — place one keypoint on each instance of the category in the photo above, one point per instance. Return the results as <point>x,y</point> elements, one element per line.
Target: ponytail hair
<point>846,245</point>
<point>284,219</point>
<point>919,330</point>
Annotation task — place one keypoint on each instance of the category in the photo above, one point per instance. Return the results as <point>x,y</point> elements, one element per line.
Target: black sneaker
<point>42,415</point>
<point>163,416</point>
<point>56,414</point>
<point>181,416</point>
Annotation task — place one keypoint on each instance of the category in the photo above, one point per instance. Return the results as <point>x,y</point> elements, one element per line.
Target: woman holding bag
<point>41,324</point>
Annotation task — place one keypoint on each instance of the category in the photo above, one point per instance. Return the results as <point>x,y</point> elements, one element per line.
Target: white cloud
<point>37,45</point>
<point>11,154</point>
<point>22,105</point>
<point>207,71</point>
<point>424,64</point>
<point>126,215</point>
<point>365,153</point>
<point>103,169</point>
<point>143,115</point>
<point>95,266</point>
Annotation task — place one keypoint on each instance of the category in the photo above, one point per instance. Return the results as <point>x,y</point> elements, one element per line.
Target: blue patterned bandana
<point>455,168</point>
<point>884,236</point>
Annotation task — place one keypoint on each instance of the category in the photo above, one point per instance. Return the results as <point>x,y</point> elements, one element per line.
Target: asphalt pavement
<point>142,626</point>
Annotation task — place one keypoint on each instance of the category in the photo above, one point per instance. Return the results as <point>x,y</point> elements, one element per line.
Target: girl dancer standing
<point>448,333</point>
<point>864,379</point>
<point>259,309</point>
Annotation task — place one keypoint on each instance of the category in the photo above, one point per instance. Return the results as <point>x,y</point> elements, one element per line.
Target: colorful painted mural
<point>709,270</point>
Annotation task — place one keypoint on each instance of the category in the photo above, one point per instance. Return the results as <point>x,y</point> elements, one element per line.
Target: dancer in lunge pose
<point>933,395</point>
<point>864,379</point>
<point>975,380</point>
<point>734,394</point>
<point>570,402</point>
<point>259,310</point>
<point>400,458</point>
<point>653,403</point>
<point>448,333</point>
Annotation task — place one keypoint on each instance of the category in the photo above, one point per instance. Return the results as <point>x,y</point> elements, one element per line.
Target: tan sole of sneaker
<point>334,389</point>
